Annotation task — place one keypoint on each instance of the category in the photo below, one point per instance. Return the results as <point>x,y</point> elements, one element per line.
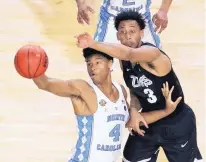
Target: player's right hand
<point>170,105</point>
<point>83,12</point>
<point>84,40</point>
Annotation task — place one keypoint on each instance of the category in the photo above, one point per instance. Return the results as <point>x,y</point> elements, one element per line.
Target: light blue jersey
<point>110,8</point>
<point>113,7</point>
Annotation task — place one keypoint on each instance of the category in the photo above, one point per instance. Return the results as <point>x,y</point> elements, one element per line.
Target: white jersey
<point>100,134</point>
<point>113,7</point>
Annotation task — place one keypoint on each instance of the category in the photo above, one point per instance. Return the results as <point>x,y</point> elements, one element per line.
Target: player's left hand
<point>167,93</point>
<point>160,20</point>
<point>84,40</point>
<point>136,119</point>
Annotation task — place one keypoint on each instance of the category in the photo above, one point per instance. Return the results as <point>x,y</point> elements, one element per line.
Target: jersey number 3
<point>115,133</point>
<point>151,97</point>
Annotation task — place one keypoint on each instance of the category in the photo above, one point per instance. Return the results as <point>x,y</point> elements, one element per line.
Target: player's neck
<point>139,44</point>
<point>106,87</point>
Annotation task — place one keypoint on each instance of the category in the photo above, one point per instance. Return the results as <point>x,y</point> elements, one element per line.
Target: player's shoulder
<point>150,46</point>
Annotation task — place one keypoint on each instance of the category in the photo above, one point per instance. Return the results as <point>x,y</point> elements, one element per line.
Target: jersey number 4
<point>151,97</point>
<point>115,133</point>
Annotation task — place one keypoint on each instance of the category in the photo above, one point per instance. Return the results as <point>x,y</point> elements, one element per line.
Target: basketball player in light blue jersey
<point>105,31</point>
<point>100,107</point>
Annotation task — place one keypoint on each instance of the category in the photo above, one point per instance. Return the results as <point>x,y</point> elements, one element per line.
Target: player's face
<point>129,33</point>
<point>98,68</point>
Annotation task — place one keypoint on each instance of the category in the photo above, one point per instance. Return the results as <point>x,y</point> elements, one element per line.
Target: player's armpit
<point>59,87</point>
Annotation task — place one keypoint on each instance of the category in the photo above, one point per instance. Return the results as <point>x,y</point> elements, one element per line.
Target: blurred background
<point>36,126</point>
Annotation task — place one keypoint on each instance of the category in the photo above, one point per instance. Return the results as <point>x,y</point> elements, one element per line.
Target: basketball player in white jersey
<point>105,31</point>
<point>100,107</point>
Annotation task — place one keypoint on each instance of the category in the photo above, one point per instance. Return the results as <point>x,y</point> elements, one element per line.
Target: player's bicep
<point>144,54</point>
<point>65,88</point>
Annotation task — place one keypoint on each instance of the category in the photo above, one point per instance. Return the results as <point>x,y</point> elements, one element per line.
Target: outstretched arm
<point>59,87</point>
<point>119,51</point>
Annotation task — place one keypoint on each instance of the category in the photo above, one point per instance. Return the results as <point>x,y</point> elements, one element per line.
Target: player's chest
<point>144,86</point>
<point>107,108</point>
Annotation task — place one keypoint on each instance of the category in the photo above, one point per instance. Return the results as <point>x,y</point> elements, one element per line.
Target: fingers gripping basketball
<point>31,61</point>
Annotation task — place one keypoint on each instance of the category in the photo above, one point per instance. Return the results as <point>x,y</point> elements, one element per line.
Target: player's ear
<point>110,64</point>
<point>142,33</point>
<point>117,34</point>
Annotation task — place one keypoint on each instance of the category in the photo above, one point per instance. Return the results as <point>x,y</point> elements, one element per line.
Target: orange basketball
<point>31,61</point>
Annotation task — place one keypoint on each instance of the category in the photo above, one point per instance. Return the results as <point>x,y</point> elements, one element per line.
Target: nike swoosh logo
<point>184,144</point>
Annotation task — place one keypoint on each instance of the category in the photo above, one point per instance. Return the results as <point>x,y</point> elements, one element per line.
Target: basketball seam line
<point>28,63</point>
<point>38,66</point>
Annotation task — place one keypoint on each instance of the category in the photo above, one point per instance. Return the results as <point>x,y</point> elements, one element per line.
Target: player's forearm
<point>154,116</point>
<point>150,117</point>
<point>42,81</point>
<point>165,5</point>
<point>118,51</point>
<point>80,1</point>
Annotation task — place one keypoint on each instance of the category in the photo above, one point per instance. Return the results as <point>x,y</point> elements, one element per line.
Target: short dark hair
<point>129,15</point>
<point>90,51</point>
